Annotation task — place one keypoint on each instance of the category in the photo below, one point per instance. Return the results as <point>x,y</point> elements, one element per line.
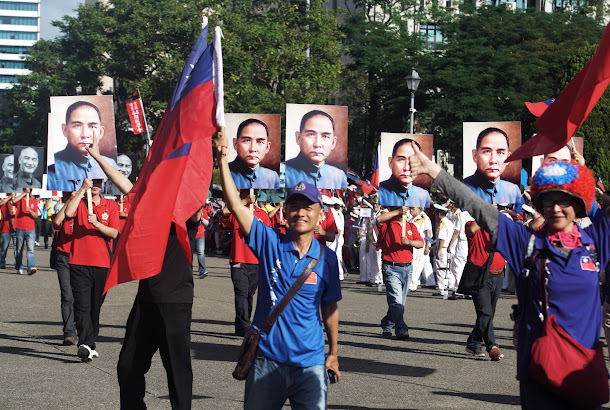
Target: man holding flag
<point>171,191</point>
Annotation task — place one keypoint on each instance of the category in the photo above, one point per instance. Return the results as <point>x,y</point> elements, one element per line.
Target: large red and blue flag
<point>174,180</point>
<point>566,114</point>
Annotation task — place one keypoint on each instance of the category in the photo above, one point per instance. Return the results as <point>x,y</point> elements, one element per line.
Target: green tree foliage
<point>596,128</point>
<point>495,60</point>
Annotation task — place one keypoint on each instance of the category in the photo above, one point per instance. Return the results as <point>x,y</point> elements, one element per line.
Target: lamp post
<point>413,80</point>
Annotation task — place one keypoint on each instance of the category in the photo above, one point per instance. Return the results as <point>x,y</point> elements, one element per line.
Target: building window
<point>19,21</point>
<point>14,49</point>
<point>431,35</point>
<point>562,4</point>
<point>14,5</point>
<point>18,35</point>
<point>12,64</point>
<point>8,79</point>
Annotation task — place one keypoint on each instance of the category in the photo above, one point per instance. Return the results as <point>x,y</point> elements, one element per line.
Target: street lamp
<point>413,80</point>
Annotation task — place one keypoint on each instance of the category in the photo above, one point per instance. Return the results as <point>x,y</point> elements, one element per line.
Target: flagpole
<point>145,123</point>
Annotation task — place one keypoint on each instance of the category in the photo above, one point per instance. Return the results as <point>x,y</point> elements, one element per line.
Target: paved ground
<point>430,371</point>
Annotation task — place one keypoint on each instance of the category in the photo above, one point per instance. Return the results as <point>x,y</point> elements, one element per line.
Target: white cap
<point>529,209</point>
<point>440,207</point>
<point>327,200</point>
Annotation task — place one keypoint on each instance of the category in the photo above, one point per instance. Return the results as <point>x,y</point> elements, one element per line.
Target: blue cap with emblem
<point>307,190</point>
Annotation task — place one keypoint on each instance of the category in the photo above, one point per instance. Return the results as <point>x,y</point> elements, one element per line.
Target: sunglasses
<point>563,203</point>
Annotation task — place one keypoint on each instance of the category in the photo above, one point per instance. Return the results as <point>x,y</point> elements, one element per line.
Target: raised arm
<point>242,214</point>
<point>117,178</point>
<point>75,200</point>
<point>59,217</point>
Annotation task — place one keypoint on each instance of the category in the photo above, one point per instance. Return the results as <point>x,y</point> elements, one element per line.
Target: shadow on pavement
<point>215,352</point>
<point>350,364</point>
<point>488,398</point>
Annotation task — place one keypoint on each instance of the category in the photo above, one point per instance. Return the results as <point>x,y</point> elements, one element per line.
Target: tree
<point>596,128</point>
<point>493,61</point>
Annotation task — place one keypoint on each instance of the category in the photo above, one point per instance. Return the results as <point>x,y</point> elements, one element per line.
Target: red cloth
<point>391,248</point>
<point>328,224</point>
<point>126,209</point>
<point>204,215</point>
<point>566,114</point>
<point>168,189</point>
<point>23,219</point>
<point>88,243</point>
<point>64,244</point>
<point>275,222</point>
<point>479,248</point>
<point>569,240</point>
<point>5,224</point>
<point>240,252</point>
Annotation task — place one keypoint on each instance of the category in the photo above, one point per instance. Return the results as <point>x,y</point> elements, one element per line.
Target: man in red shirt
<point>8,211</point>
<point>396,258</point>
<point>90,260</point>
<point>200,240</point>
<point>244,265</point>
<point>124,207</point>
<point>24,224</point>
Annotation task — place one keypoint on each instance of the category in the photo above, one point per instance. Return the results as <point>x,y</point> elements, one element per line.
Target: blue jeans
<point>200,247</point>
<point>270,383</point>
<point>6,240</point>
<point>25,238</point>
<point>396,280</point>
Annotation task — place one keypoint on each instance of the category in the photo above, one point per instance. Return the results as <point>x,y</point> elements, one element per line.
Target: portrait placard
<point>8,171</point>
<point>254,149</point>
<point>29,167</point>
<point>396,187</point>
<point>72,123</point>
<point>316,145</point>
<point>127,164</point>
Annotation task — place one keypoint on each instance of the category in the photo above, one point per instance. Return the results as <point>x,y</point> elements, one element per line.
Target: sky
<point>54,10</point>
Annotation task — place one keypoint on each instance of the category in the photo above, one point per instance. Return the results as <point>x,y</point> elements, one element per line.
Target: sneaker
<point>21,272</point>
<point>32,271</point>
<point>386,333</point>
<point>495,354</point>
<point>453,296</point>
<point>69,341</point>
<point>446,295</point>
<point>475,352</point>
<point>403,335</point>
<point>36,243</point>
<point>203,275</point>
<point>94,354</point>
<point>84,352</point>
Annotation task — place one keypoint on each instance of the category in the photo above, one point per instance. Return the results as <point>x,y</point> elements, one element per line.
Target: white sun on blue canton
<point>554,170</point>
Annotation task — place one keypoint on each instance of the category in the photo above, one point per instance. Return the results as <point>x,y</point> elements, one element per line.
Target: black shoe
<point>453,296</point>
<point>361,282</point>
<point>404,335</point>
<point>386,333</point>
<point>370,284</point>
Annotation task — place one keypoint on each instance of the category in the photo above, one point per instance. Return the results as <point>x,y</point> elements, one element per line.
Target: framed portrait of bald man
<point>29,167</point>
<point>8,166</point>
<point>127,164</point>
<point>73,123</point>
<point>396,186</point>
<point>316,145</point>
<point>487,146</point>
<point>254,149</point>
<point>564,154</point>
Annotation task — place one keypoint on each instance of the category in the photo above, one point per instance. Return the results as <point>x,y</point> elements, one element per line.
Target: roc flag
<point>537,109</point>
<point>375,176</point>
<point>174,180</point>
<point>600,184</point>
<point>562,119</point>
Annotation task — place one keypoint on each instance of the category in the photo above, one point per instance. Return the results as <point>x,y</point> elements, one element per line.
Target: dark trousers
<point>47,232</point>
<point>156,326</point>
<point>534,396</point>
<point>245,282</point>
<point>65,289</point>
<point>485,306</point>
<point>87,287</point>
<point>38,227</point>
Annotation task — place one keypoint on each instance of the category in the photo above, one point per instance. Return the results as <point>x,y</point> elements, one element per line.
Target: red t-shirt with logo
<point>23,219</point>
<point>88,243</point>
<point>7,215</point>
<point>479,248</point>
<point>392,250</point>
<point>240,252</point>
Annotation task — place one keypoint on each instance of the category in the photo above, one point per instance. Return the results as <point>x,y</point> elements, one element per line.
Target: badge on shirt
<point>312,278</point>
<point>409,233</point>
<point>105,217</point>
<point>586,263</point>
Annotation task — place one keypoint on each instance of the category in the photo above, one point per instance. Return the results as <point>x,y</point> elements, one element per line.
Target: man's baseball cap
<point>307,190</point>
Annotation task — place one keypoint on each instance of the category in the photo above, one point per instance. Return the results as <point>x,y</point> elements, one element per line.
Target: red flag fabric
<point>174,180</point>
<point>375,175</point>
<point>566,114</point>
<point>600,184</point>
<point>136,116</point>
<point>537,109</point>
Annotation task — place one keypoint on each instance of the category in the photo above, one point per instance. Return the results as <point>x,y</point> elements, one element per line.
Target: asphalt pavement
<point>429,371</point>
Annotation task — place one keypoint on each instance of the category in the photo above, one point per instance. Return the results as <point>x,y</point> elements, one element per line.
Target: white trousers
<point>458,261</point>
<point>370,264</point>
<point>422,267</point>
<point>445,279</point>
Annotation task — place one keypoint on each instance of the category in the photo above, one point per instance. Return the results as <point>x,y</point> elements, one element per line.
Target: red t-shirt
<point>240,253</point>
<point>64,241</point>
<point>328,224</point>
<point>89,244</point>
<point>23,220</point>
<point>391,249</point>
<point>7,215</point>
<point>126,209</point>
<point>204,215</point>
<point>479,248</point>
<point>275,223</point>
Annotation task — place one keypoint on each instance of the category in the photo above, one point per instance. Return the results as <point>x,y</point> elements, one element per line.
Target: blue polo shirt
<point>393,193</point>
<point>297,337</point>
<point>573,286</point>
<point>259,177</point>
<point>499,192</point>
<point>325,176</point>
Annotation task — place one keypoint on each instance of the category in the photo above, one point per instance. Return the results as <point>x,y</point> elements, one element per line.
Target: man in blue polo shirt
<point>399,190</point>
<point>292,363</point>
<point>252,144</point>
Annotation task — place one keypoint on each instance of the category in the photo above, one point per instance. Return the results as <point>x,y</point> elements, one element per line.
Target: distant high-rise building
<point>19,30</point>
